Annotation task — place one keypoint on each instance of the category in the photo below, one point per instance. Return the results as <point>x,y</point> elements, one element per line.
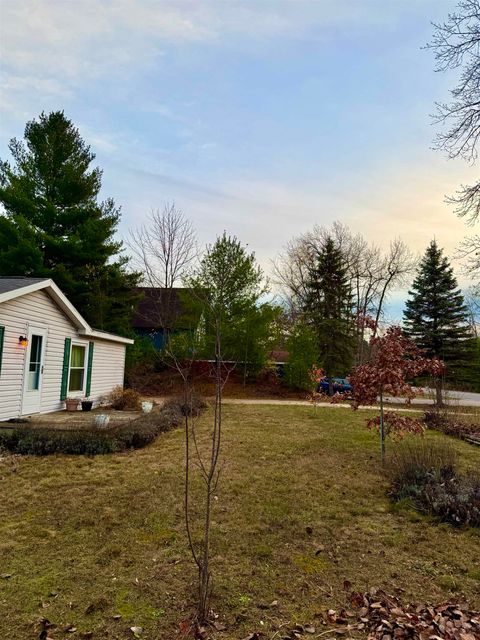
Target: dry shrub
<point>452,425</point>
<point>189,404</point>
<point>121,399</point>
<point>425,473</point>
<point>413,463</point>
<point>456,500</point>
<point>93,441</point>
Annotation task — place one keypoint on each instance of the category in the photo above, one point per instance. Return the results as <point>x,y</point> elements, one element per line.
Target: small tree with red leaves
<point>395,360</point>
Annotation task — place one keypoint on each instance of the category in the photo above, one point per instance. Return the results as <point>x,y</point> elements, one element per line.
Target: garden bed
<point>80,435</point>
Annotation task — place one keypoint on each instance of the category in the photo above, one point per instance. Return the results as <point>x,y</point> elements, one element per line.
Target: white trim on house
<point>66,306</point>
<point>103,335</point>
<point>84,345</point>
<point>32,397</point>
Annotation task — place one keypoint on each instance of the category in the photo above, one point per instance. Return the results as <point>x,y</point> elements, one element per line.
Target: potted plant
<point>71,404</point>
<point>101,420</point>
<point>87,404</point>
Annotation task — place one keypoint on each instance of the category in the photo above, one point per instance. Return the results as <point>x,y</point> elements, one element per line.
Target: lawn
<point>301,507</point>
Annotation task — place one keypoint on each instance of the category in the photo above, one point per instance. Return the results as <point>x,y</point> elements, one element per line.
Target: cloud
<point>84,39</point>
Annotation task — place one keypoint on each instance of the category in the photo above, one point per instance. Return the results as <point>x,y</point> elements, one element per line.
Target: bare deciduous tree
<point>469,252</point>
<point>456,44</point>
<point>164,248</point>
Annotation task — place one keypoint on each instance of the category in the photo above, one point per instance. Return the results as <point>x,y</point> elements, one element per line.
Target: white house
<point>48,351</point>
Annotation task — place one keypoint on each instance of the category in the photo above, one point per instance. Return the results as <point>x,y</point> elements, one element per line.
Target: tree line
<point>55,225</point>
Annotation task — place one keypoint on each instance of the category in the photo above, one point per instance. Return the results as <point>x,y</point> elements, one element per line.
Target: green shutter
<point>2,335</point>
<point>66,364</point>
<point>89,368</point>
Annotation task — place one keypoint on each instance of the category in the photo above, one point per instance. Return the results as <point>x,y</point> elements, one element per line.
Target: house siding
<point>107,368</point>
<point>39,310</point>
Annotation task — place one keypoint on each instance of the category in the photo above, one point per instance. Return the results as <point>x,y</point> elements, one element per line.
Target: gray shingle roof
<point>11,283</point>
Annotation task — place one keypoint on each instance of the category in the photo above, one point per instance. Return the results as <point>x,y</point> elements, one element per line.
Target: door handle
<point>41,371</point>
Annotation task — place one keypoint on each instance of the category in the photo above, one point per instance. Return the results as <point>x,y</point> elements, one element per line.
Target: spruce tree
<point>55,226</point>
<point>435,316</point>
<point>328,309</point>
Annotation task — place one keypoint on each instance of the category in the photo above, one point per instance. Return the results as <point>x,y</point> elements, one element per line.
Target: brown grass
<point>301,507</point>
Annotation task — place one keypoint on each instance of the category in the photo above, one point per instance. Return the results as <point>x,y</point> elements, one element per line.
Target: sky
<point>260,118</point>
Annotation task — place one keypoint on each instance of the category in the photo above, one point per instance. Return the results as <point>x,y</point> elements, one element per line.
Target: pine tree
<point>435,316</point>
<point>328,309</point>
<point>55,226</point>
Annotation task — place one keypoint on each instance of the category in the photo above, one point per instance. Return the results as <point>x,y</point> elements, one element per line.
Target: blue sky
<point>259,118</point>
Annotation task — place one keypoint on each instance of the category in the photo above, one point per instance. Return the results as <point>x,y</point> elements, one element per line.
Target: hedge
<point>44,441</point>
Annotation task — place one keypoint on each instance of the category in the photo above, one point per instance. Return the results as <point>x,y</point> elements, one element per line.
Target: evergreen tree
<point>435,316</point>
<point>328,308</point>
<point>54,225</point>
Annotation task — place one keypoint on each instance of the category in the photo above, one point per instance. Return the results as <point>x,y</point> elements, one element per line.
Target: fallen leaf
<point>137,631</point>
<point>219,626</point>
<point>185,626</point>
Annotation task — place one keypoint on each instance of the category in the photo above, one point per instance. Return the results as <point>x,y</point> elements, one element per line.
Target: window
<point>35,362</point>
<point>77,368</point>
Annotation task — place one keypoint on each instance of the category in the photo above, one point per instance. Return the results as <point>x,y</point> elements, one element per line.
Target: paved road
<point>455,398</point>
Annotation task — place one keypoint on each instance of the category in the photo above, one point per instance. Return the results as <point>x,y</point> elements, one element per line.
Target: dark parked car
<point>340,385</point>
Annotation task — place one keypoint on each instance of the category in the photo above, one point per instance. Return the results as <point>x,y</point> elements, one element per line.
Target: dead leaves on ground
<point>377,615</point>
<point>384,617</point>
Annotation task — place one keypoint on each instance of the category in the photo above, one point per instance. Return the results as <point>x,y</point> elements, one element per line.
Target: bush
<point>451,425</point>
<point>42,442</point>
<point>456,501</point>
<point>121,399</point>
<point>412,464</point>
<point>188,404</point>
<point>426,474</point>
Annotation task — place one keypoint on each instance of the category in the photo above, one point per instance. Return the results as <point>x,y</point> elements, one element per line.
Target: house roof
<point>14,287</point>
<point>11,283</point>
<point>159,308</point>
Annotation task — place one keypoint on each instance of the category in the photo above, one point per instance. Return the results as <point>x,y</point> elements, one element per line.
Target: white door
<point>33,376</point>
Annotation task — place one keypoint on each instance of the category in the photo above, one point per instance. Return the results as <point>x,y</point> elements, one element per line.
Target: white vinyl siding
<point>107,368</point>
<point>40,310</point>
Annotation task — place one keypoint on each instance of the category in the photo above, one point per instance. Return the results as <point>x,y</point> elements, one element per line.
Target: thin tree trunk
<point>439,392</point>
<point>211,481</point>
<point>382,428</point>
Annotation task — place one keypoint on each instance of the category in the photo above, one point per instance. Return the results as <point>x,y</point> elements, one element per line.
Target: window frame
<point>84,345</point>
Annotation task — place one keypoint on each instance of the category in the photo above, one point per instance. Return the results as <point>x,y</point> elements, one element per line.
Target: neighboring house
<point>160,312</point>
<point>48,351</point>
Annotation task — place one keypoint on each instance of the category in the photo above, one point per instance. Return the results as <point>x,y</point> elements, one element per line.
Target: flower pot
<point>101,420</point>
<point>87,405</point>
<point>147,407</point>
<point>71,405</point>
